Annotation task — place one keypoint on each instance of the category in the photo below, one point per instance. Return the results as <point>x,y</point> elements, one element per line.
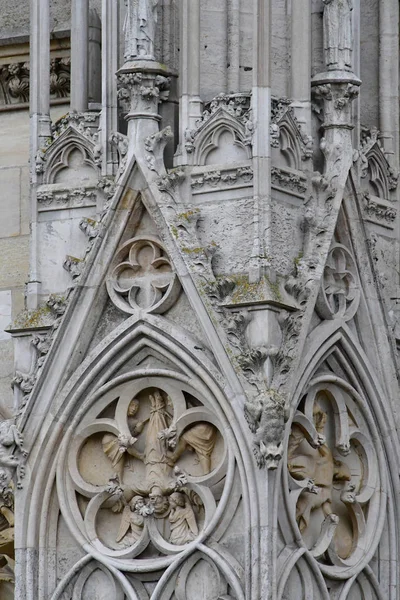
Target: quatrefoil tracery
<point>339,295</point>
<point>142,277</point>
<point>147,471</point>
<point>334,483</point>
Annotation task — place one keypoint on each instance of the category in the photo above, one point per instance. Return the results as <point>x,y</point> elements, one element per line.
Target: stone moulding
<point>50,198</point>
<point>288,136</point>
<point>375,211</point>
<point>214,180</point>
<point>289,182</point>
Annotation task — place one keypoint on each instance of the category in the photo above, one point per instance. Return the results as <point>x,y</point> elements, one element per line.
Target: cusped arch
<point>222,136</point>
<point>339,347</point>
<point>289,144</point>
<point>192,368</point>
<point>378,173</point>
<point>71,157</point>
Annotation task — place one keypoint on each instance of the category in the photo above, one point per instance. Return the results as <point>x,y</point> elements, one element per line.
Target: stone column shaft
<point>389,78</point>
<point>109,61</point>
<point>301,61</point>
<point>261,114</point>
<point>79,54</point>
<point>190,102</point>
<point>233,46</point>
<point>40,66</point>
<point>39,123</point>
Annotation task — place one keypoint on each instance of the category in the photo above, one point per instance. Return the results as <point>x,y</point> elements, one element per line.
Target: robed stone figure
<point>338,35</point>
<point>140,28</point>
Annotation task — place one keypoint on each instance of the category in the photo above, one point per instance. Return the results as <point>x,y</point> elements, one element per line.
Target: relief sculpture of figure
<point>140,28</point>
<point>132,522</point>
<point>338,35</point>
<point>200,438</point>
<point>117,447</point>
<point>317,465</point>
<point>162,491</point>
<point>182,520</point>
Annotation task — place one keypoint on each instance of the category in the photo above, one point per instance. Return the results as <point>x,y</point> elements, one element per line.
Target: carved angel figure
<point>338,34</point>
<point>139,29</point>
<point>182,520</point>
<point>132,522</point>
<point>317,465</point>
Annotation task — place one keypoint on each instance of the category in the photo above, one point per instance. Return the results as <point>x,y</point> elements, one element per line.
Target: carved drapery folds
<point>140,29</point>
<point>142,277</point>
<point>338,34</point>
<point>335,486</point>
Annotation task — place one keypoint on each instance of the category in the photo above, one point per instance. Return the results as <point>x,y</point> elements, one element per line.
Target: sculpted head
<point>136,503</point>
<point>133,407</point>
<point>177,499</point>
<point>157,500</point>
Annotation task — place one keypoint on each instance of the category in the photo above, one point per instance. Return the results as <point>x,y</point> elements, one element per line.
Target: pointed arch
<point>223,133</point>
<point>380,178</point>
<point>69,148</point>
<point>334,342</point>
<point>98,372</point>
<point>289,144</point>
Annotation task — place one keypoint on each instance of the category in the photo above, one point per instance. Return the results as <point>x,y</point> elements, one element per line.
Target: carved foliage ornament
<point>339,296</point>
<point>334,481</point>
<point>143,464</point>
<point>142,277</point>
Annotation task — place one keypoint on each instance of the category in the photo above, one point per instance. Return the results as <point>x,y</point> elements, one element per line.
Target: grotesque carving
<point>139,29</point>
<point>266,419</point>
<point>338,34</point>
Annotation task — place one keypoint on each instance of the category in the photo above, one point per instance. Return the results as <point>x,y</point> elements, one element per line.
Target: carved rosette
<point>142,277</point>
<point>145,469</point>
<point>339,295</point>
<point>335,483</point>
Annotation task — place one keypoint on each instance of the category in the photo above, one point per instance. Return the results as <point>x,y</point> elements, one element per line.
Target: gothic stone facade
<point>199,294</point>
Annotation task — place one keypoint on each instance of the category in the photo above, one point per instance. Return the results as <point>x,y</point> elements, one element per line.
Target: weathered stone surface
<point>198,390</point>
